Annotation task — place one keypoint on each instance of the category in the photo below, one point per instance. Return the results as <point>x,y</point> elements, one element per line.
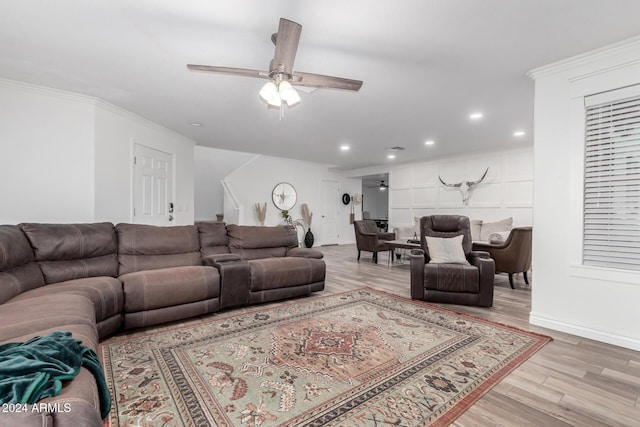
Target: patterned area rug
<point>361,358</point>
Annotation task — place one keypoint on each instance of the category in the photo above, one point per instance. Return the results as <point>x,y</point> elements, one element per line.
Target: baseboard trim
<point>581,331</point>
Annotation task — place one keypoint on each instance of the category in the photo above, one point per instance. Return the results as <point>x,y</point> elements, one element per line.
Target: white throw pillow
<point>476,226</point>
<point>446,250</point>
<point>489,228</point>
<point>499,237</point>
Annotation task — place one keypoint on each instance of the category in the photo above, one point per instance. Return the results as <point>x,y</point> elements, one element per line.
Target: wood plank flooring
<point>572,381</point>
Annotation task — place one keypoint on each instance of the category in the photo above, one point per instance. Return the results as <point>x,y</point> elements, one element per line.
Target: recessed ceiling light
<point>429,142</point>
<point>475,116</point>
<point>391,156</point>
<point>195,124</point>
<point>345,147</point>
<point>519,133</point>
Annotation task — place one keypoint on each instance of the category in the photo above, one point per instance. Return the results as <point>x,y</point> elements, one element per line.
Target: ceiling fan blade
<point>229,70</point>
<point>286,41</point>
<point>318,80</point>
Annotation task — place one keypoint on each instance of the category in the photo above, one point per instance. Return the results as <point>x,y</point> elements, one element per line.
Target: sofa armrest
<point>474,255</point>
<point>305,253</point>
<point>486,246</point>
<point>417,273</point>
<point>487,271</point>
<point>235,278</point>
<point>211,260</point>
<point>386,236</point>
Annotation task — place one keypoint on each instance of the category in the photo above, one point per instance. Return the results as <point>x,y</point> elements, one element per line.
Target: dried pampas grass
<point>306,214</point>
<point>261,212</point>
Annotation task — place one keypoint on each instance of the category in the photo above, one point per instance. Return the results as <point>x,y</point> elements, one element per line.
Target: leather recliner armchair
<point>465,284</point>
<point>513,255</point>
<point>369,239</point>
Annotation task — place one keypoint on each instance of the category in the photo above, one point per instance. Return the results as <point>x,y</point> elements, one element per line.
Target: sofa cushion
<point>251,242</point>
<point>213,238</point>
<point>274,273</point>
<point>78,400</point>
<point>452,278</point>
<point>148,247</point>
<point>32,316</point>
<point>489,228</point>
<point>305,253</point>
<point>18,271</point>
<point>72,251</point>
<point>104,292</point>
<point>152,289</point>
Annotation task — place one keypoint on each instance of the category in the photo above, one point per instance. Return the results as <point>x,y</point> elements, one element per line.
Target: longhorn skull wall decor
<point>465,187</point>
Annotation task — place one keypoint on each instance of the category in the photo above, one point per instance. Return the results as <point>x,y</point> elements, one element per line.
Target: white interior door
<point>152,186</point>
<point>329,197</point>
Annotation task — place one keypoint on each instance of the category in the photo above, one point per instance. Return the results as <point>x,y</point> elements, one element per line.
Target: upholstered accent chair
<point>513,255</point>
<point>370,239</point>
<point>468,281</point>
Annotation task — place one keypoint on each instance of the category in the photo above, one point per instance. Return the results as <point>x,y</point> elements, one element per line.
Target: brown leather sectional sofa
<point>96,279</point>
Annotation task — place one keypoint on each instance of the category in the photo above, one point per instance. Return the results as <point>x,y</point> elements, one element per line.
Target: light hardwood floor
<point>572,381</point>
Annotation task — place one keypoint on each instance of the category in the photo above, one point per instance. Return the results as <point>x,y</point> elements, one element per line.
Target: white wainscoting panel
<point>425,175</point>
<point>519,166</point>
<point>519,194</point>
<point>425,196</point>
<point>403,177</point>
<point>403,216</point>
<point>506,191</point>
<point>487,195</point>
<point>401,197</point>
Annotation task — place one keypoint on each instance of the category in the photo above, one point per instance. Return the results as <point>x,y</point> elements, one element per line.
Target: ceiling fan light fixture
<point>293,98</point>
<point>285,90</point>
<point>275,101</point>
<point>268,91</point>
<point>288,93</point>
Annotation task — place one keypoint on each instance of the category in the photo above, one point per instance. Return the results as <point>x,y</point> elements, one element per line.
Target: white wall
<point>115,133</point>
<point>254,182</point>
<point>507,190</point>
<point>598,303</point>
<point>211,166</point>
<point>46,155</point>
<point>67,158</point>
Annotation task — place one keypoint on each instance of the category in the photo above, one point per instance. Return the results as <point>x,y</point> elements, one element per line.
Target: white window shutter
<point>612,183</point>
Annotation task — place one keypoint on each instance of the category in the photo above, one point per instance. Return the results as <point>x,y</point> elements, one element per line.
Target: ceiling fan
<point>382,185</point>
<point>279,90</point>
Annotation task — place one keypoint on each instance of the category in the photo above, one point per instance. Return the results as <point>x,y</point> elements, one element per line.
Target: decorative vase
<point>308,238</point>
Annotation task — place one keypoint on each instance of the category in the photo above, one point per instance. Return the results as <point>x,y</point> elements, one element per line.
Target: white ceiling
<point>426,65</point>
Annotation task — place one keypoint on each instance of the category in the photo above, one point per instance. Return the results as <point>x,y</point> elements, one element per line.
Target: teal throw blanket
<point>35,369</point>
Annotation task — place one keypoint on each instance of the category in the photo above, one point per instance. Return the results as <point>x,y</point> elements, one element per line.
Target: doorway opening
<point>375,199</point>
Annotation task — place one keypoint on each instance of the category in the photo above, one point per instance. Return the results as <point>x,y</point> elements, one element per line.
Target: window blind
<point>612,184</point>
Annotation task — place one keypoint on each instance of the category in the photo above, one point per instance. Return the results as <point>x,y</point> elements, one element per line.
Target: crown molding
<point>90,100</point>
<point>585,58</point>
<point>139,119</point>
<point>48,91</point>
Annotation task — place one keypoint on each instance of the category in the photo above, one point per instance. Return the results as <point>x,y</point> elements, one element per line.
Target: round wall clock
<point>346,199</point>
<point>284,196</point>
